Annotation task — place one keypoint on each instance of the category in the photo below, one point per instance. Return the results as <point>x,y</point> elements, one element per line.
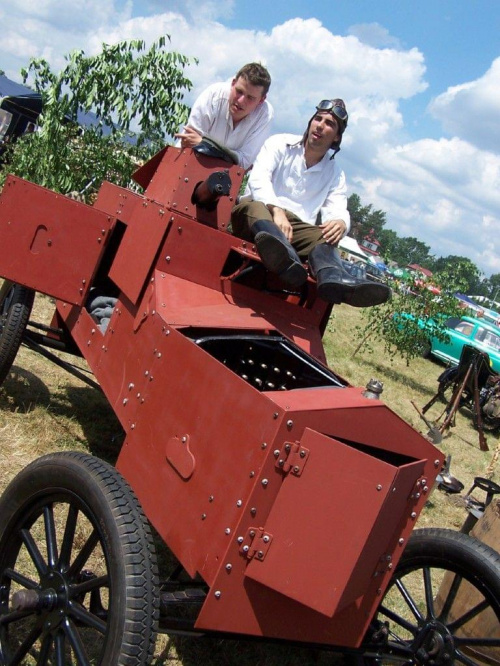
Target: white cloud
<point>374,35</point>
<point>471,110</point>
<point>445,192</point>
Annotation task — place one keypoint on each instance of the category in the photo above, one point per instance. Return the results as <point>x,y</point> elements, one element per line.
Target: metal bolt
<point>211,498</point>
<point>401,541</point>
<point>302,454</point>
<point>239,503</point>
<point>264,445</point>
<point>217,594</point>
<point>379,487</point>
<point>252,533</point>
<point>296,469</point>
<point>413,515</point>
<point>227,530</point>
<point>260,554</point>
<point>436,463</point>
<point>229,567</point>
<point>203,516</point>
<point>276,453</point>
<point>265,539</point>
<point>265,482</point>
<point>253,511</point>
<point>125,400</point>
<point>239,539</point>
<point>289,423</point>
<point>246,549</point>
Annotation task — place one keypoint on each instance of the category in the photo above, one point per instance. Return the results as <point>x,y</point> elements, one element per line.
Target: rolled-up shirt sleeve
<point>335,204</point>
<point>260,183</point>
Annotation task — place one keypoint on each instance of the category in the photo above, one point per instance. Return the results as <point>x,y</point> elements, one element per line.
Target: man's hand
<point>189,138</point>
<point>281,221</point>
<point>333,231</point>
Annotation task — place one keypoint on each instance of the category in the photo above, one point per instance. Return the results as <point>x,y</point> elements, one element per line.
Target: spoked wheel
<point>443,604</point>
<point>78,574</point>
<point>15,308</point>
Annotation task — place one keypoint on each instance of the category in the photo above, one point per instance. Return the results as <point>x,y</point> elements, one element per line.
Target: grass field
<point>44,409</point>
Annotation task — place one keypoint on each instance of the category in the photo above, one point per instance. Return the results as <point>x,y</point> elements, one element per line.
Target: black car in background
<point>364,271</point>
<point>19,110</point>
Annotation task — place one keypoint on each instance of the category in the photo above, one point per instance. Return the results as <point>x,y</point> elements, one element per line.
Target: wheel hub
<point>50,598</point>
<point>435,645</point>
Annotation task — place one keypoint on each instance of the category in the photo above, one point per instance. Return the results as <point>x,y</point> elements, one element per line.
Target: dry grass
<point>43,409</point>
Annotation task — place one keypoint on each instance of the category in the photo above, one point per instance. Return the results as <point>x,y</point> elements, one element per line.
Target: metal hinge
<point>256,543</point>
<point>292,458</point>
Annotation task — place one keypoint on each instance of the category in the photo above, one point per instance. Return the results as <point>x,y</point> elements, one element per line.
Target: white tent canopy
<point>351,245</point>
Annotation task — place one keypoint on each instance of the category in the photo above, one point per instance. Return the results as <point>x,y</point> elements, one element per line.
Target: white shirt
<point>280,177</point>
<point>210,117</point>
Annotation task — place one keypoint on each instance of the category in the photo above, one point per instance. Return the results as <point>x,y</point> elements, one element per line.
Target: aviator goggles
<point>333,106</point>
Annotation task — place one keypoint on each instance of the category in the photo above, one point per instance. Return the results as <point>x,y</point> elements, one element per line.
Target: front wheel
<point>16,302</point>
<point>78,574</point>
<point>443,604</point>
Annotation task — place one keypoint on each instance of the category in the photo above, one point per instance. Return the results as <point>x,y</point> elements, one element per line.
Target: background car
<point>364,271</point>
<point>466,331</point>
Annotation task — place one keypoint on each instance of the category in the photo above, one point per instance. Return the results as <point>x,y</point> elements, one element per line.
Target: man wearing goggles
<point>295,210</point>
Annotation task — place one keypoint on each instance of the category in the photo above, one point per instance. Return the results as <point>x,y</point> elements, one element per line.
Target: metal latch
<point>292,458</point>
<point>256,543</point>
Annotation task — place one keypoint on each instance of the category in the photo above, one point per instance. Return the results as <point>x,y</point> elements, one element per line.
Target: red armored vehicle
<point>286,496</point>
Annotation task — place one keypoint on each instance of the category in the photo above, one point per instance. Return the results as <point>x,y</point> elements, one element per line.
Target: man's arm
<point>337,220</point>
<point>200,119</point>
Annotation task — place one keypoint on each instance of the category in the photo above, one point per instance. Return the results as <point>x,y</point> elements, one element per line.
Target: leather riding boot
<point>277,253</point>
<point>335,285</point>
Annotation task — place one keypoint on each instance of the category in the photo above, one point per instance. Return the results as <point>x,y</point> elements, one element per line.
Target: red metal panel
<point>341,491</point>
<point>49,242</point>
<point>136,255</point>
<point>171,176</point>
<point>117,201</point>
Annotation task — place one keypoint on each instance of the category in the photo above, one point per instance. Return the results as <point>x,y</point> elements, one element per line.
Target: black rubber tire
<point>429,628</point>
<point>15,309</point>
<point>78,562</point>
<point>425,349</point>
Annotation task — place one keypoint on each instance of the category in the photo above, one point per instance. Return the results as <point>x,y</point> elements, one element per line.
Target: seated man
<point>235,114</point>
<point>293,180</point>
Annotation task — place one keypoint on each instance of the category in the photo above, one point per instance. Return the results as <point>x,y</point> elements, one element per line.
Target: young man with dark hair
<point>295,210</point>
<point>235,114</point>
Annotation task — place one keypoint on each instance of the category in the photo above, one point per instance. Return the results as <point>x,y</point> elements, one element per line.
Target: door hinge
<point>292,458</point>
<point>256,543</point>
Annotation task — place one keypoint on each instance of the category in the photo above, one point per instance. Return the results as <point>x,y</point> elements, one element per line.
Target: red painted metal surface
<point>49,242</point>
<point>287,490</point>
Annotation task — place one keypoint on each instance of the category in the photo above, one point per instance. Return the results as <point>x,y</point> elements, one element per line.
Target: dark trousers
<point>305,236</point>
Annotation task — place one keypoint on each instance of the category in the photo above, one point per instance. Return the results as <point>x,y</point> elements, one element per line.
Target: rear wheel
<point>443,604</point>
<point>15,308</point>
<point>78,575</point>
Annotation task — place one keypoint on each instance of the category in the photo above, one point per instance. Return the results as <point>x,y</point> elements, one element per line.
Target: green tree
<point>404,251</point>
<point>458,270</point>
<point>364,220</point>
<point>124,85</point>
<point>405,323</point>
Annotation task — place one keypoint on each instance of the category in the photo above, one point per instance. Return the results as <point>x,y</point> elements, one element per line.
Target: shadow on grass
<point>215,651</point>
<point>405,379</point>
<point>22,391</point>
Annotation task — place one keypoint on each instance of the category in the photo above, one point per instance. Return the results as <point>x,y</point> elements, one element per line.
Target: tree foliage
<point>126,87</point>
<point>364,220</point>
<point>404,323</point>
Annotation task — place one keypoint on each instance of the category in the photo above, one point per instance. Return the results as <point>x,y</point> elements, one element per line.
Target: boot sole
<point>359,296</point>
<point>276,258</point>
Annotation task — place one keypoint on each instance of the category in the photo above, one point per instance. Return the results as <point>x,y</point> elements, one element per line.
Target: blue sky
<point>421,82</point>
